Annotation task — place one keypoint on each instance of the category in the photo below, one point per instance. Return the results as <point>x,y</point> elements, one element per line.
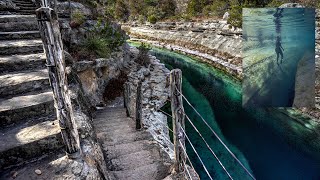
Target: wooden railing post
<point>178,116</point>
<point>126,95</point>
<point>139,106</point>
<point>51,38</point>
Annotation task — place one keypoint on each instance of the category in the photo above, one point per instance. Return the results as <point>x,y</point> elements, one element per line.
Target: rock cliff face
<point>155,93</point>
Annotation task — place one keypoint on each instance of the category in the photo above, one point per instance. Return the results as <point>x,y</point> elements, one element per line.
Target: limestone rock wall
<point>155,88</point>
<point>95,75</point>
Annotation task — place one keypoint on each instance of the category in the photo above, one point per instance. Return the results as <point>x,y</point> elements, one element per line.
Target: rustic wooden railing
<point>55,62</point>
<point>178,116</point>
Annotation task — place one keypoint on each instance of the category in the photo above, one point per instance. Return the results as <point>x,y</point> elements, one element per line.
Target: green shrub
<point>121,11</point>
<point>152,19</point>
<point>275,3</point>
<point>167,7</point>
<point>193,8</point>
<point>218,8</point>
<point>103,39</point>
<point>97,45</point>
<point>143,57</point>
<point>141,19</point>
<point>235,18</point>
<point>78,17</point>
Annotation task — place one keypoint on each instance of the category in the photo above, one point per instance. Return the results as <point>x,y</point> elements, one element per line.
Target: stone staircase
<point>131,154</point>
<point>24,7</point>
<point>28,125</point>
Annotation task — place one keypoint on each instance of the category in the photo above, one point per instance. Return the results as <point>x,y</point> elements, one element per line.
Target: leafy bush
<point>77,18</point>
<point>141,19</point>
<point>235,18</point>
<point>193,8</point>
<point>121,10</point>
<point>152,19</point>
<point>103,39</point>
<point>143,56</point>
<point>275,3</point>
<point>167,7</point>
<point>97,45</point>
<point>218,8</point>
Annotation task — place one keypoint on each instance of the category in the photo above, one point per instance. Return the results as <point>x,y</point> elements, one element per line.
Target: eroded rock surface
<point>155,89</point>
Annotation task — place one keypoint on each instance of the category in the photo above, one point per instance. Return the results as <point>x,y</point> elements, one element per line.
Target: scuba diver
<point>279,49</point>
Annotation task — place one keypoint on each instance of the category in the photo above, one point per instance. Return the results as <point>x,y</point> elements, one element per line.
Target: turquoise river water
<point>268,142</point>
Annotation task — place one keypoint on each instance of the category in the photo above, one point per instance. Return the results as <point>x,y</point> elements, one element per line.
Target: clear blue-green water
<point>269,143</point>
<point>268,80</point>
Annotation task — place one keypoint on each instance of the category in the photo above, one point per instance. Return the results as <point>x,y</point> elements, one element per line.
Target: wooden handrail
<point>53,47</point>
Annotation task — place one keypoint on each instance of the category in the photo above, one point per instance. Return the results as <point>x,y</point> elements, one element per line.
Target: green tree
<point>167,7</point>
<point>136,7</point>
<point>121,10</point>
<point>194,7</point>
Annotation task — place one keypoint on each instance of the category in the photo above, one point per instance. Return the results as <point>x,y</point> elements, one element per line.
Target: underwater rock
<point>304,84</point>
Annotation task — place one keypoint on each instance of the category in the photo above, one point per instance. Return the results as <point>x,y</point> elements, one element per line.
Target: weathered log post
<point>178,116</point>
<point>51,38</point>
<point>126,95</point>
<point>139,106</point>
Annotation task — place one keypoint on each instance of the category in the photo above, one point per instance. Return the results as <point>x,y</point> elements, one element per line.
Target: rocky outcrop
<point>95,75</point>
<point>155,90</point>
<point>64,9</point>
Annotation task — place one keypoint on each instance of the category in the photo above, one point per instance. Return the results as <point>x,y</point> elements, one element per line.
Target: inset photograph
<point>278,57</point>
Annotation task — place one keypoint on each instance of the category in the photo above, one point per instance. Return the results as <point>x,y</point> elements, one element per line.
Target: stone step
<point>114,129</point>
<point>19,108</point>
<point>111,112</point>
<point>134,160</point>
<point>109,140</point>
<point>23,2</point>
<point>29,140</point>
<point>23,82</point>
<point>19,26</point>
<point>117,150</point>
<point>155,171</point>
<point>20,47</point>
<point>26,11</point>
<point>113,119</point>
<point>19,35</point>
<point>120,123</point>
<point>28,7</point>
<point>22,62</point>
<point>17,18</point>
<point>22,5</point>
